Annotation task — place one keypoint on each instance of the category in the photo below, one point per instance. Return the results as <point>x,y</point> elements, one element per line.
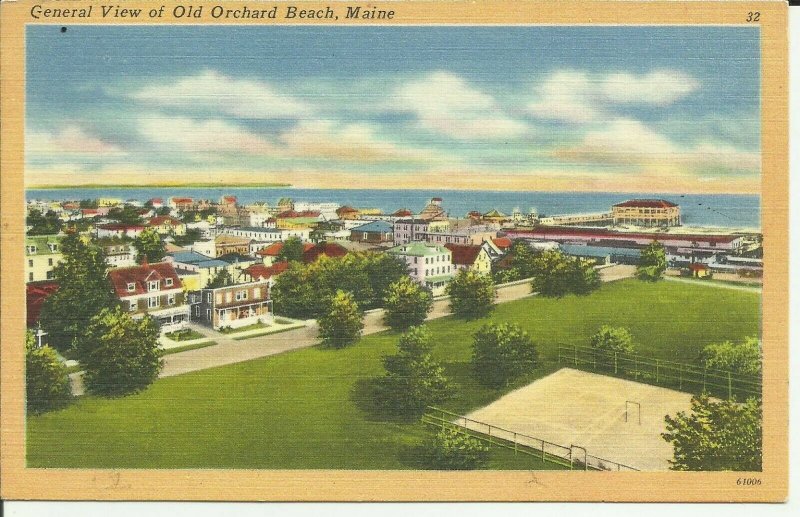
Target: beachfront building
<point>153,290</point>
<point>429,264</point>
<point>646,212</point>
<point>42,254</point>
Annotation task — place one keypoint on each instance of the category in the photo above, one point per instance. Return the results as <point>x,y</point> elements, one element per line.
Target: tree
<point>501,353</point>
<point>125,214</point>
<point>652,262</point>
<point>557,274</point>
<point>292,250</point>
<point>407,304</point>
<point>609,340</point>
<point>451,449</point>
<point>471,295</point>
<point>295,295</point>
<point>191,235</point>
<point>119,355</point>
<point>88,203</point>
<point>47,224</point>
<point>723,435</point>
<point>742,358</point>
<point>149,245</point>
<point>46,379</point>
<point>413,379</point>
<point>343,321</point>
<point>382,270</point>
<point>222,279</point>
<point>83,291</point>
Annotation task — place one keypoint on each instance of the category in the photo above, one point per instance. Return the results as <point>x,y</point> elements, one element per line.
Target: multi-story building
<point>153,290</point>
<point>181,203</point>
<point>119,230</point>
<point>409,230</point>
<point>471,257</point>
<point>119,253</point>
<point>42,254</point>
<point>646,212</point>
<point>465,236</point>
<point>429,264</point>
<point>232,306</point>
<point>226,244</point>
<point>206,267</point>
<point>167,225</point>
<point>376,232</point>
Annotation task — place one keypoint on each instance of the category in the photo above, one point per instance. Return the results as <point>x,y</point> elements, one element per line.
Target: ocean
<point>715,210</point>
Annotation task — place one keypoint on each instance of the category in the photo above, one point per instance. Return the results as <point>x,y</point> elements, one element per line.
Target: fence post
<point>490,435</point>
<point>730,386</point>
<point>680,378</point>
<point>656,370</point>
<point>615,362</point>
<point>576,355</point>
<point>636,365</point>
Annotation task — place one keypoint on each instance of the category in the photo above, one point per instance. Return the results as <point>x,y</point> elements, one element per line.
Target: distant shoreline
<point>95,186</point>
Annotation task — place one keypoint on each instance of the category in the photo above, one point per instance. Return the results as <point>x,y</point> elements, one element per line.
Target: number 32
<point>753,16</point>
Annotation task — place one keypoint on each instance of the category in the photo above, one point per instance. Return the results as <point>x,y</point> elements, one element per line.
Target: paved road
<point>229,351</point>
<point>711,283</point>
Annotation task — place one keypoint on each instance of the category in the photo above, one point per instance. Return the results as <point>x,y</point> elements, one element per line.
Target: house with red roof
<point>347,212</point>
<point>181,203</point>
<point>35,295</point>
<point>167,225</point>
<point>153,290</point>
<point>470,257</point>
<point>646,212</point>
<point>263,272</point>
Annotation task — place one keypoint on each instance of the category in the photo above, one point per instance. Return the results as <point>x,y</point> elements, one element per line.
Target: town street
<point>229,351</point>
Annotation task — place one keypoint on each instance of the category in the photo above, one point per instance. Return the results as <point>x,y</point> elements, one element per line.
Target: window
<point>30,277</point>
<point>31,249</point>
<point>208,297</point>
<point>30,263</point>
<point>49,262</point>
<point>168,282</point>
<point>53,247</point>
<point>133,305</point>
<point>257,292</point>
<point>171,299</point>
<point>50,275</point>
<point>131,287</point>
<point>241,295</point>
<point>153,302</point>
<point>152,285</point>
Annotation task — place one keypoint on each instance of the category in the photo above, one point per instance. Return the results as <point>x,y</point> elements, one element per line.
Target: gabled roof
<point>121,227</point>
<point>418,249</point>
<point>646,203</point>
<point>35,295</point>
<point>260,271</point>
<point>230,239</point>
<point>374,227</point>
<point>403,212</point>
<point>274,249</point>
<point>329,249</point>
<point>502,242</point>
<point>164,219</point>
<point>464,254</point>
<point>345,210</point>
<point>494,213</point>
<point>139,276</point>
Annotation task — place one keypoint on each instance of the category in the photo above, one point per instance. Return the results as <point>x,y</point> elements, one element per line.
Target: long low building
<point>600,237</point>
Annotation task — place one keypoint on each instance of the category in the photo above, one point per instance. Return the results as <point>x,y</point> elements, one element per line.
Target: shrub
<point>454,450</point>
<point>343,322</point>
<point>407,304</point>
<point>500,353</point>
<point>471,295</point>
<point>46,380</point>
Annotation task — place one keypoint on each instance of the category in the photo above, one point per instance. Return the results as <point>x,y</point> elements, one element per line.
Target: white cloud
<point>202,135</point>
<point>71,139</point>
<point>579,97</point>
<point>445,103</point>
<point>626,141</point>
<point>212,90</point>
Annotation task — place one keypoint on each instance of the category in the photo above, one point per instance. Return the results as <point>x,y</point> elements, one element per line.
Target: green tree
<point>652,262</point>
<point>413,379</point>
<point>382,271</point>
<point>191,235</point>
<point>119,355</point>
<point>557,274</point>
<point>292,250</point>
<point>342,323</point>
<point>610,340</point>
<point>46,379</point>
<point>83,291</point>
<point>47,224</point>
<point>222,279</point>
<point>743,357</point>
<point>87,203</point>
<point>471,295</point>
<point>125,214</point>
<point>723,435</point>
<point>451,449</point>
<point>149,244</point>
<point>501,353</point>
<point>407,304</point>
<point>295,295</point>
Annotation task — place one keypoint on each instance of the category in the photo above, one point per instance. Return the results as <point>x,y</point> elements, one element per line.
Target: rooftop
<point>418,249</point>
<point>646,203</point>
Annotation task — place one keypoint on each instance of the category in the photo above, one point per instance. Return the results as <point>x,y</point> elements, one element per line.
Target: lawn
<point>254,326</point>
<point>311,408</point>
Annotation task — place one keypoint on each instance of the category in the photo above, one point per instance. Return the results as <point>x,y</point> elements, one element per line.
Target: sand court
<point>614,419</point>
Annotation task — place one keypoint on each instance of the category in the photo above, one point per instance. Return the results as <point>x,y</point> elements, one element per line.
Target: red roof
<point>345,210</point>
<point>35,295</point>
<point>698,267</point>
<point>330,249</point>
<point>289,214</point>
<point>161,219</point>
<point>403,212</point>
<point>182,200</point>
<point>156,200</point>
<point>140,275</point>
<point>274,249</point>
<point>229,199</point>
<point>502,242</point>
<point>260,271</point>
<point>90,211</point>
<point>120,226</point>
<point>646,203</point>
<point>464,254</point>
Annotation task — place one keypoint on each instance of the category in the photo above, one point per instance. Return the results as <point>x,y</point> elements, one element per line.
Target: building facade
<point>646,212</point>
<point>232,306</point>
<point>42,254</point>
<point>429,264</point>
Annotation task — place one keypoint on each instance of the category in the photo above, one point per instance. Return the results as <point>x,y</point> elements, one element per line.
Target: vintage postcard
<point>394,251</point>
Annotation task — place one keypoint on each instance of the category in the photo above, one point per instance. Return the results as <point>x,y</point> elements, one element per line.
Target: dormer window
<point>131,287</point>
<point>53,247</point>
<point>152,285</point>
<point>168,282</point>
<point>31,249</point>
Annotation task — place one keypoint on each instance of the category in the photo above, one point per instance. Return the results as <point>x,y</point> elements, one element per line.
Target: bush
<point>471,295</point>
<point>120,355</point>
<point>609,340</point>
<point>454,450</point>
<point>742,358</point>
<point>556,274</point>
<point>343,322</point>
<point>652,262</point>
<point>407,304</point>
<point>46,380</point>
<point>501,353</point>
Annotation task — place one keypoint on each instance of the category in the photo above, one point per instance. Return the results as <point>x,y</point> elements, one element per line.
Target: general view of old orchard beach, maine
<point>545,262</point>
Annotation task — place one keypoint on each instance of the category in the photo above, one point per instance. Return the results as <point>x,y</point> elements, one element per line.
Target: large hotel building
<point>647,212</point>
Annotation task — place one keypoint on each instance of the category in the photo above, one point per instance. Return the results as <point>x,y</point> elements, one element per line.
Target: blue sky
<point>545,108</point>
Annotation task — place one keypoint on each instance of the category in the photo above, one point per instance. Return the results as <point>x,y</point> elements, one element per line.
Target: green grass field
<point>311,408</point>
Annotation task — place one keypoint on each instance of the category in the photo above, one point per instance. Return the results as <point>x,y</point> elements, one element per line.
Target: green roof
<point>42,243</point>
<point>418,249</point>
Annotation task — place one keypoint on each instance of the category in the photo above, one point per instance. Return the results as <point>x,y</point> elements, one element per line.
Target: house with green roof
<point>429,264</point>
<point>42,254</point>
